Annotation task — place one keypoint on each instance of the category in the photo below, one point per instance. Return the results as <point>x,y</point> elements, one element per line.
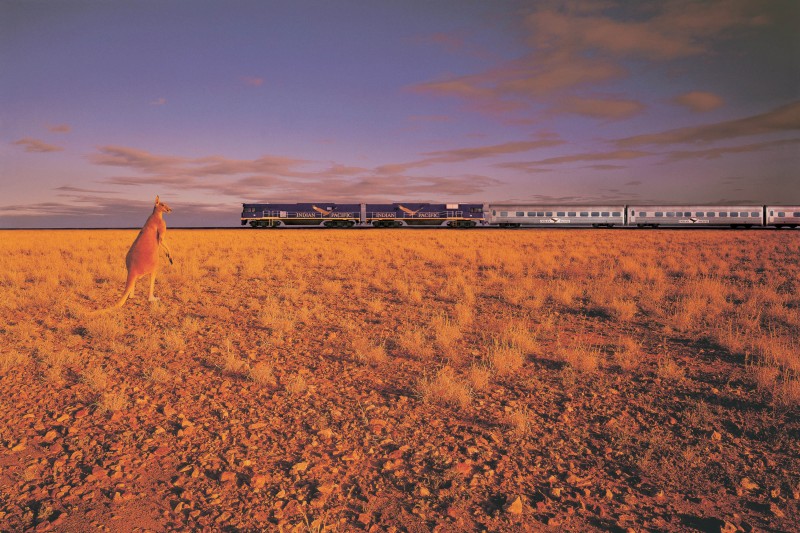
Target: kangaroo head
<point>162,207</point>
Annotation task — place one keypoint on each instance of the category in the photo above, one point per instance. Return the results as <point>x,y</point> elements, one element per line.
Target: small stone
<point>227,476</point>
<point>747,484</point>
<point>424,492</point>
<point>258,481</point>
<point>300,467</point>
<point>716,436</point>
<point>515,507</point>
<point>555,492</point>
<point>775,510</point>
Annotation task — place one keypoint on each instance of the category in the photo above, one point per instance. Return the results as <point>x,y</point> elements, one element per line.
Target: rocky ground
<point>398,381</point>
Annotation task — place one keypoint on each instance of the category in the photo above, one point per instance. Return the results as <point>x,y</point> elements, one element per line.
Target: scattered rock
<point>515,507</point>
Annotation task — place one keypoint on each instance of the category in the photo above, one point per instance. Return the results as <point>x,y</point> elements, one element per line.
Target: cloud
<point>601,108</point>
<point>37,146</point>
<point>570,46</point>
<point>715,153</point>
<point>614,155</point>
<point>698,101</point>
<point>253,81</point>
<point>289,178</point>
<point>159,102</point>
<point>781,119</point>
<point>60,128</point>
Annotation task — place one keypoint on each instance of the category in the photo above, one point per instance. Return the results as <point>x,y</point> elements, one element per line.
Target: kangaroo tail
<point>128,289</point>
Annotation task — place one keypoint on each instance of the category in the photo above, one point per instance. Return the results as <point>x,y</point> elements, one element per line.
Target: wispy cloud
<point>60,128</point>
<point>253,81</point>
<point>574,45</point>
<point>37,146</point>
<point>600,108</point>
<point>782,119</point>
<point>288,178</point>
<point>715,153</point>
<point>698,101</point>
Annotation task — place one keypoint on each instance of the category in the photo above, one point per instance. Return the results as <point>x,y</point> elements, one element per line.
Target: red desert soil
<point>392,380</point>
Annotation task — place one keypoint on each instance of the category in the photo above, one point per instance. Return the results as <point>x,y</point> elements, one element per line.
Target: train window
<point>539,213</point>
<point>735,214</point>
<point>659,214</point>
<point>548,213</point>
<point>503,213</point>
<point>743,214</point>
<point>670,214</point>
<point>494,213</point>
<point>604,214</point>
<point>754,214</point>
<point>571,213</point>
<point>616,214</point>
<point>781,213</point>
<point>476,210</point>
<point>584,213</point>
<point>595,213</point>
<point>723,214</point>
<point>560,213</point>
<point>711,214</point>
<point>687,213</point>
<point>796,214</point>
<point>642,214</point>
<point>531,214</point>
<point>520,213</point>
<point>772,213</point>
<point>698,214</point>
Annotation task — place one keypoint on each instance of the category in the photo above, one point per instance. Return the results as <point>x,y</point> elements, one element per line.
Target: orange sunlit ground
<point>406,380</point>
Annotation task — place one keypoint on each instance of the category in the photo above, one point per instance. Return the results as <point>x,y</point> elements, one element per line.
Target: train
<point>513,215</point>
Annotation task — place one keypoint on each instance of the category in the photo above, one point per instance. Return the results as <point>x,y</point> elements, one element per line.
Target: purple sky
<point>103,104</point>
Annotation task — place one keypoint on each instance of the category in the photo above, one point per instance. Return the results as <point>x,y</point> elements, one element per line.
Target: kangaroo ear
<point>156,199</point>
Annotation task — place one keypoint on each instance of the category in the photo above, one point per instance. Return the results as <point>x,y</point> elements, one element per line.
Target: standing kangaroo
<point>142,258</point>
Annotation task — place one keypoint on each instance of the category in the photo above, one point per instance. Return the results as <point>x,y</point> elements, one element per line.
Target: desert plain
<point>402,380</point>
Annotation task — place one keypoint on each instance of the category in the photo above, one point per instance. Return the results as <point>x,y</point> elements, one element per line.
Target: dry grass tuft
<point>296,384</point>
<point>582,358</point>
<point>158,375</point>
<point>505,359</point>
<point>12,359</point>
<point>262,374</point>
<point>668,368</point>
<point>519,420</point>
<point>628,354</point>
<point>444,389</point>
<point>95,378</point>
<point>367,352</point>
<point>479,377</point>
<point>112,401</point>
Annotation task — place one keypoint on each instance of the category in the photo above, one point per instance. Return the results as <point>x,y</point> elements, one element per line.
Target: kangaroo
<point>142,258</point>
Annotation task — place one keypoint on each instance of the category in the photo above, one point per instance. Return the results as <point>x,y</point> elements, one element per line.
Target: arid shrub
<point>582,358</point>
<point>669,369</point>
<point>505,359</point>
<point>367,352</point>
<point>262,374</point>
<point>444,389</point>
<point>479,377</point>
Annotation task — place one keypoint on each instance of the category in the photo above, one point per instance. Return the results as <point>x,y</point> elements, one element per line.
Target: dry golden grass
<point>387,359</point>
<point>445,388</point>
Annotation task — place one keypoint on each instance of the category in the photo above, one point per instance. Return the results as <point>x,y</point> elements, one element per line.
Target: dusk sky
<point>210,104</point>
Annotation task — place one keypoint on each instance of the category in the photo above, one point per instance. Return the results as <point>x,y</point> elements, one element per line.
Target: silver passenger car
<point>532,215</point>
<point>783,216</point>
<point>654,216</point>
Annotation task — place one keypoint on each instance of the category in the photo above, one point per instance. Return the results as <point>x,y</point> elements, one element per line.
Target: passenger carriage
<point>532,215</point>
<point>654,216</point>
<point>783,216</point>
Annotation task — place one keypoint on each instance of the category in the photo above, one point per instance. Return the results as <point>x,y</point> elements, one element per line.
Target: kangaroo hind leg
<point>152,286</point>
